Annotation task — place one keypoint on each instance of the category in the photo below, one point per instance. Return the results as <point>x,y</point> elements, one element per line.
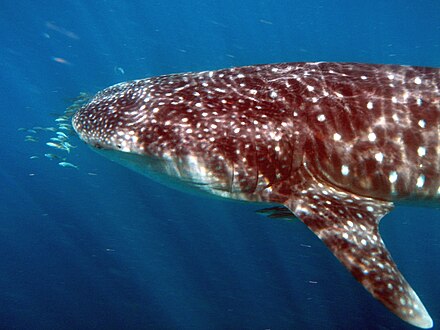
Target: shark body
<point>337,144</point>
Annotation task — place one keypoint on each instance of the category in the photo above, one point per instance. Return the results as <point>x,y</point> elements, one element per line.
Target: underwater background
<point>101,247</point>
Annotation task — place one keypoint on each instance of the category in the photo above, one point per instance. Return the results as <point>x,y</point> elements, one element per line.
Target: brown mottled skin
<point>335,143</point>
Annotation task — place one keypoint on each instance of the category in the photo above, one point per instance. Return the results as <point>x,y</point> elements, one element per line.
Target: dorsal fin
<point>348,225</point>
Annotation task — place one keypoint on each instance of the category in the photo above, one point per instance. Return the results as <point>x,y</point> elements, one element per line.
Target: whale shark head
<point>188,127</point>
<point>133,125</point>
<point>152,126</point>
<point>106,121</point>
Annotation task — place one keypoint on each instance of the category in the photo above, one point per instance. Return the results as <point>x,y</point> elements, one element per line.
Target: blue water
<point>104,248</point>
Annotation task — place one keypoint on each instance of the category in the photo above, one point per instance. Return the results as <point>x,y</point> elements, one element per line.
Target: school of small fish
<point>63,130</point>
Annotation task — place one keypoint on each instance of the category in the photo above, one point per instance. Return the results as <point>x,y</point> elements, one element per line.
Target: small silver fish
<point>66,164</point>
<point>67,145</point>
<point>57,146</point>
<point>65,127</point>
<point>30,138</point>
<point>53,156</point>
<point>62,134</point>
<point>57,139</point>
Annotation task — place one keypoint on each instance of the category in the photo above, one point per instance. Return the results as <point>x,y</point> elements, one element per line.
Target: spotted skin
<point>336,143</point>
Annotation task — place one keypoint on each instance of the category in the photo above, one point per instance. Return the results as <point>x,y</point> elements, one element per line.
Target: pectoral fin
<point>277,212</point>
<point>348,225</point>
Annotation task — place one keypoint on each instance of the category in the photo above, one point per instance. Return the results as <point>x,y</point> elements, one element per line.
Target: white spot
<point>277,148</point>
<point>155,110</point>
<point>350,223</point>
<point>419,102</point>
<point>390,76</point>
<point>189,131</point>
<point>402,301</point>
<point>370,105</point>
<point>422,123</point>
<point>321,117</point>
<point>345,235</point>
<point>337,137</point>
<point>198,104</point>
<point>204,114</point>
<point>253,91</point>
<point>421,151</point>
<point>302,210</point>
<point>339,94</point>
<point>379,157</point>
<point>213,126</point>
<point>345,170</point>
<point>372,137</point>
<point>364,78</point>
<point>420,181</point>
<point>364,242</point>
<point>236,130</point>
<point>370,208</point>
<point>394,99</point>
<point>417,81</point>
<point>393,176</point>
<point>273,94</point>
<point>310,88</point>
<point>390,286</point>
<point>184,120</point>
<point>240,75</point>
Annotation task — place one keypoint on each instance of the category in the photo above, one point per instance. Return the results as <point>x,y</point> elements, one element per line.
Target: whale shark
<point>335,145</point>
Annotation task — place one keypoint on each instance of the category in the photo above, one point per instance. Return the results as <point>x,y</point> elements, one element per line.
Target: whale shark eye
<point>98,146</point>
<point>119,146</point>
